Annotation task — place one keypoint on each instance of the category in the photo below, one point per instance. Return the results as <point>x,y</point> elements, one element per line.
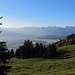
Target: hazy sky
<point>17,13</point>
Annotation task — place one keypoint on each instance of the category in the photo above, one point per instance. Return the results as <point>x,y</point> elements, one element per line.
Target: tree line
<point>29,50</point>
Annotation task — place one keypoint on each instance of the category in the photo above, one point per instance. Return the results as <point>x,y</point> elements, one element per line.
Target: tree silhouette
<point>37,50</point>
<point>52,50</point>
<point>25,51</point>
<point>29,50</point>
<point>11,53</point>
<point>4,58</point>
<point>17,53</point>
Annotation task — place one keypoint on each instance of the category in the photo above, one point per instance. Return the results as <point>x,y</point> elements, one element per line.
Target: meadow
<point>63,64</point>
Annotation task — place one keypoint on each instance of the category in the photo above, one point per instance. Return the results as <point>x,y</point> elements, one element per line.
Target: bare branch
<point>0,23</point>
<point>0,31</point>
<point>1,17</point>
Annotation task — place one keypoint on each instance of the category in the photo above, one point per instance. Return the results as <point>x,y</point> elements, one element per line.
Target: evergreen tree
<point>41,51</point>
<point>37,50</point>
<point>17,53</point>
<point>4,58</point>
<point>11,53</point>
<point>52,50</point>
<point>27,49</point>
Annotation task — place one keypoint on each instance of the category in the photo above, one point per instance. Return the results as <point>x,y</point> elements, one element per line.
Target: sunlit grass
<point>62,65</point>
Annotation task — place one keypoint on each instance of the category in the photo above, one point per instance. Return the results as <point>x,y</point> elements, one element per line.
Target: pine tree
<point>51,50</point>
<point>11,53</point>
<point>37,49</point>
<point>26,50</point>
<point>17,53</point>
<point>4,58</point>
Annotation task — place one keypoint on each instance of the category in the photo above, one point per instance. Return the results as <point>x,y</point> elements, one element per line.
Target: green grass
<point>63,65</point>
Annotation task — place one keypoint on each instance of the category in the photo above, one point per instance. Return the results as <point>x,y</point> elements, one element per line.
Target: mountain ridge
<point>38,33</point>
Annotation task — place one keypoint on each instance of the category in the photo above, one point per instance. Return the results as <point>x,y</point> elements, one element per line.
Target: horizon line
<point>33,26</point>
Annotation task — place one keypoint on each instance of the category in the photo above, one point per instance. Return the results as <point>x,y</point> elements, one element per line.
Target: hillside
<point>64,64</point>
<point>69,40</point>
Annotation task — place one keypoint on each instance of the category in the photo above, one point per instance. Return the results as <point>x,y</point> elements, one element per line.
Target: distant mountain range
<point>16,36</point>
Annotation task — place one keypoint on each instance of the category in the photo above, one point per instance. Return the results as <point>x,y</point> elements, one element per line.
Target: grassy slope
<point>64,65</point>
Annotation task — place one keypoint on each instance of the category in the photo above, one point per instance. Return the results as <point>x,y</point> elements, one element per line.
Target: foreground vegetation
<point>64,64</point>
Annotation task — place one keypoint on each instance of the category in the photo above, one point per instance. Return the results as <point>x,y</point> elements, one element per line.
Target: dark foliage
<point>4,59</point>
<point>17,53</point>
<point>11,53</point>
<point>28,50</point>
<point>51,50</point>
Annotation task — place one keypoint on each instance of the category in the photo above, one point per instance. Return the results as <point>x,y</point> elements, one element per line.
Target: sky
<point>37,13</point>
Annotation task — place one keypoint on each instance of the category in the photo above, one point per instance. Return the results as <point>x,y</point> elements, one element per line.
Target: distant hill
<point>16,36</point>
<point>69,40</point>
<point>39,32</point>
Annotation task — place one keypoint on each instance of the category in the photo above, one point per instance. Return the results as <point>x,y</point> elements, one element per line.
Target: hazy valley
<point>16,36</point>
